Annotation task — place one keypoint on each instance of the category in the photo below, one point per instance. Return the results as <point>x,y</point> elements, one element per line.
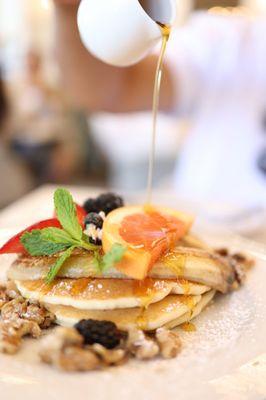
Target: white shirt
<point>220,69</point>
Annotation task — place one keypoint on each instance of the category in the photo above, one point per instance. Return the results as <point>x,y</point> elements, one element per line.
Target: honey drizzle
<point>185,286</point>
<point>144,290</point>
<point>166,30</point>
<point>175,262</point>
<point>188,301</point>
<point>188,327</point>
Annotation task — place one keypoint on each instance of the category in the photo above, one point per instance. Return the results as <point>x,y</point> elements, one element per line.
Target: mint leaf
<point>37,245</point>
<point>111,258</point>
<point>52,240</point>
<point>67,214</point>
<point>57,235</point>
<point>59,263</point>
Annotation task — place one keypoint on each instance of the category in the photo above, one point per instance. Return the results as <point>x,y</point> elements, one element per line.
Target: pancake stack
<point>163,277</point>
<point>161,299</point>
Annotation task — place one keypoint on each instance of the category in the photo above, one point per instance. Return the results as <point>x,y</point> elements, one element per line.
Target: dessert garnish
<point>102,332</point>
<point>93,227</point>
<point>106,203</point>
<point>63,235</point>
<point>116,278</point>
<point>67,349</point>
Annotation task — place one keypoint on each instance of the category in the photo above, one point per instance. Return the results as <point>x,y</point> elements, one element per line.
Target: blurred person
<point>14,178</point>
<point>45,131</point>
<point>215,73</point>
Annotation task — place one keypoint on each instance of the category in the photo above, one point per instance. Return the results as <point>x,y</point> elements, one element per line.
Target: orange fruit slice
<point>147,232</point>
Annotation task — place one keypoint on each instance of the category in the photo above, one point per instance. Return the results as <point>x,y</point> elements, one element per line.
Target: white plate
<point>223,359</point>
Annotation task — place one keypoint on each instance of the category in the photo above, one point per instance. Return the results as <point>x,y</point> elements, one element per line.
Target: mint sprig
<point>66,213</point>
<point>37,245</point>
<point>59,263</point>
<point>49,241</point>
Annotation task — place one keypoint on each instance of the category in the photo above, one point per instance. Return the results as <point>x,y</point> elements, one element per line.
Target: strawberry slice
<point>14,246</point>
<point>81,214</point>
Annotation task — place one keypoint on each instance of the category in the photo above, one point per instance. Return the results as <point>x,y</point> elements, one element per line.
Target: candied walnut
<point>14,309</point>
<point>240,273</point>
<point>239,258</point>
<point>11,333</point>
<point>4,298</point>
<point>55,342</point>
<point>239,263</point>
<point>169,342</point>
<point>28,328</point>
<point>110,357</point>
<point>20,308</point>
<point>10,341</point>
<point>140,346</point>
<point>7,293</point>
<point>63,349</point>
<point>43,317</point>
<point>223,252</point>
<point>76,359</point>
<point>12,290</point>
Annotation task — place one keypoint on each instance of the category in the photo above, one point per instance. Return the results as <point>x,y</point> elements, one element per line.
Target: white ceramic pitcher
<point>122,32</point>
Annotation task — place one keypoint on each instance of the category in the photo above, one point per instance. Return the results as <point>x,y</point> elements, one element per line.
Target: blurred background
<point>45,138</point>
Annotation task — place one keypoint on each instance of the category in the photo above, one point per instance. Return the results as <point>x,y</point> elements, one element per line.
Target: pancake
<point>193,264</point>
<point>205,300</point>
<point>106,294</point>
<point>156,315</point>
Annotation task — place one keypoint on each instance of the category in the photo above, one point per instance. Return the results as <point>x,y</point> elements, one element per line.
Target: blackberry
<point>93,223</point>
<point>105,333</point>
<point>108,202</point>
<point>91,205</point>
<point>94,219</point>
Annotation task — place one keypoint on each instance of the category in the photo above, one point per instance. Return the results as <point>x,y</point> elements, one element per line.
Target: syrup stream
<point>156,97</point>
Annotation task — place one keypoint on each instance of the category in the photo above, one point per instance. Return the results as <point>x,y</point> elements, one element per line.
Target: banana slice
<point>156,315</point>
<point>105,294</point>
<point>195,265</point>
<point>198,266</point>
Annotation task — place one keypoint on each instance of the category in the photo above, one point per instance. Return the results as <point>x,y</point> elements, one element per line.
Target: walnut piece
<point>20,308</point>
<point>19,318</point>
<point>12,290</point>
<point>63,349</point>
<point>169,342</point>
<point>11,333</point>
<point>74,358</point>
<point>240,265</point>
<point>8,293</point>
<point>140,346</point>
<point>110,357</point>
<point>10,341</point>
<point>55,342</point>
<point>3,297</point>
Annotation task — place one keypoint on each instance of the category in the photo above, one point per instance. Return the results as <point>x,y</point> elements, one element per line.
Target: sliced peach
<point>147,232</point>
